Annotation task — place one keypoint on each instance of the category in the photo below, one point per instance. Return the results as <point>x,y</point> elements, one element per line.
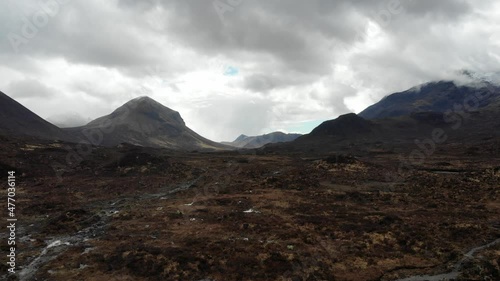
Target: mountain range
<point>402,121</point>
<point>244,141</point>
<point>433,97</point>
<point>397,119</point>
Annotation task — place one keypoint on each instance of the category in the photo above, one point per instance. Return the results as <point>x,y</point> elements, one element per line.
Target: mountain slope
<point>144,122</point>
<point>345,126</point>
<point>461,123</point>
<point>433,97</point>
<point>244,141</point>
<point>17,120</point>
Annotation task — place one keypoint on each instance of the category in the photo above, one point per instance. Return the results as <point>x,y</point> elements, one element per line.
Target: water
<point>446,172</point>
<point>57,246</point>
<point>456,267</point>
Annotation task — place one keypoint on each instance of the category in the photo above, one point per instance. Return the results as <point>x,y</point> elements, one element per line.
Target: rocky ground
<point>130,213</point>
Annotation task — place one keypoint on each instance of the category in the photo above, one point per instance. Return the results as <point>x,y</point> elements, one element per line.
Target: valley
<point>404,193</point>
<point>134,213</point>
<point>233,140</point>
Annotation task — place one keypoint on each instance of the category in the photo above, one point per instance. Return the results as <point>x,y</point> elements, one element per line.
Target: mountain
<point>402,122</point>
<point>144,122</point>
<point>339,133</point>
<point>433,97</point>
<point>17,120</point>
<point>347,125</point>
<point>245,141</point>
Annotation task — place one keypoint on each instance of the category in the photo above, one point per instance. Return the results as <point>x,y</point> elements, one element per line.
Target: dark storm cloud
<point>444,9</point>
<point>295,33</point>
<point>260,83</point>
<point>265,82</point>
<point>291,33</point>
<point>84,32</point>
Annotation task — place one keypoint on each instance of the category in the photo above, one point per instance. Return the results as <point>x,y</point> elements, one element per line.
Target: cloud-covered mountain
<point>421,118</point>
<point>439,96</point>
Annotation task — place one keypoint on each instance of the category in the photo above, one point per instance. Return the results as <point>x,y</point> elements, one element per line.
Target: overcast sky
<point>234,67</point>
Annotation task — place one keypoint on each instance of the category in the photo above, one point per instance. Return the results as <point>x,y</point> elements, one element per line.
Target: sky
<point>234,67</point>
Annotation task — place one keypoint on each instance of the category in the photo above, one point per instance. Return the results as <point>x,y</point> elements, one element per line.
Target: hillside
<point>434,97</point>
<point>17,120</point>
<point>144,122</point>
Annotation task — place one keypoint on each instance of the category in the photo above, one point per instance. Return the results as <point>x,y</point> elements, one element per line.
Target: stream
<point>57,245</point>
<point>457,267</point>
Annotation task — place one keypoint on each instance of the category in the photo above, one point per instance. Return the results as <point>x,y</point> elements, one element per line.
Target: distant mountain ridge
<point>399,119</point>
<point>145,122</point>
<point>244,141</point>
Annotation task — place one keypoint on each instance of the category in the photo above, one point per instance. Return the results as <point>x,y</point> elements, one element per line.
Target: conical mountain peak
<point>144,121</point>
<point>145,109</point>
